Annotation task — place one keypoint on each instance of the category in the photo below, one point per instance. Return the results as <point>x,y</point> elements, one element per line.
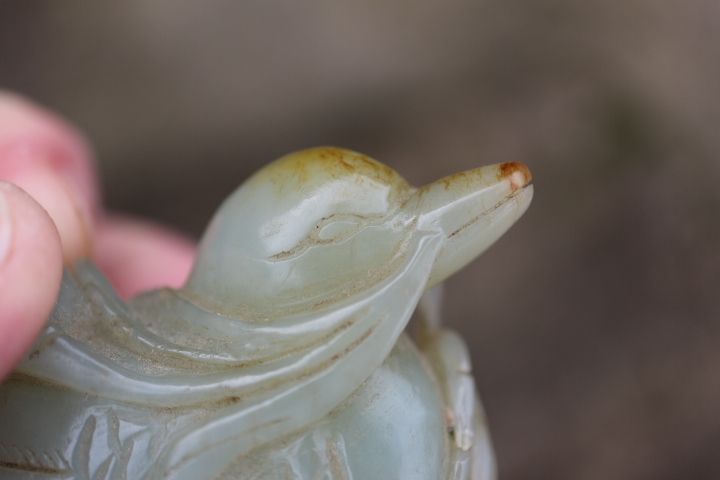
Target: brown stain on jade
<point>462,178</point>
<point>518,174</point>
<point>312,165</point>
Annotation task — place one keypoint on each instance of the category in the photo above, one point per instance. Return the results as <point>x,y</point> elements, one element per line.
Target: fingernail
<point>5,224</point>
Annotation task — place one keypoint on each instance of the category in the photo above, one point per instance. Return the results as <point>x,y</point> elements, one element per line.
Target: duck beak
<point>471,209</point>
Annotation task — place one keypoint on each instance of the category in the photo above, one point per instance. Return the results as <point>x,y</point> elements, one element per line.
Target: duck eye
<point>334,229</point>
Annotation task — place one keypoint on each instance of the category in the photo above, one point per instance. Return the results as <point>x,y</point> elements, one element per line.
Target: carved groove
<point>27,460</point>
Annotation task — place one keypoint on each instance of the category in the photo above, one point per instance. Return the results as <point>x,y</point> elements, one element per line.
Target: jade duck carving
<point>284,356</point>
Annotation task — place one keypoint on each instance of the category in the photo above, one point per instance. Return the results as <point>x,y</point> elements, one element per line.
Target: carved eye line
<point>330,229</point>
<point>358,222</point>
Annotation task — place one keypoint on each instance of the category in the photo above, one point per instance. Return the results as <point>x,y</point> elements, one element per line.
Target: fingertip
<point>138,256</point>
<point>49,159</point>
<point>69,214</point>
<point>30,272</point>
<point>27,126</point>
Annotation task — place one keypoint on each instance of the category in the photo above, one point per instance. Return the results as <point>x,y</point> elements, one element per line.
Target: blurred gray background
<point>595,323</point>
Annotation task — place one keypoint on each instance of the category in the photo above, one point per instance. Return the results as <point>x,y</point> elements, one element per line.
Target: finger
<point>138,256</point>
<point>49,160</point>
<point>30,272</point>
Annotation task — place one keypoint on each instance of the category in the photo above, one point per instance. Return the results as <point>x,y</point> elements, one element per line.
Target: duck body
<point>284,355</point>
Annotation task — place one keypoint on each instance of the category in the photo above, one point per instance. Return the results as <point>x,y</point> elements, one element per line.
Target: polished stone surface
<point>284,355</point>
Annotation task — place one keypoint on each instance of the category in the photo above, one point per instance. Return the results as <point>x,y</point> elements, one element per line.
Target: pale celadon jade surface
<point>283,356</point>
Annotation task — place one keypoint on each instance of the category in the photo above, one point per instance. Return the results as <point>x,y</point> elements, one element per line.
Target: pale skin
<point>51,215</point>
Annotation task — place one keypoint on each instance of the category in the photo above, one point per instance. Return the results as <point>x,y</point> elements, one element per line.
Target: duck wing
<point>252,381</point>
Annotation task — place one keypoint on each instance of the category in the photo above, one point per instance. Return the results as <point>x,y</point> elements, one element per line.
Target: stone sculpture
<point>283,357</point>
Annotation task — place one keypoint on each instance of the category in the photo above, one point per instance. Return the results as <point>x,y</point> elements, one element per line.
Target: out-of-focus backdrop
<point>595,323</point>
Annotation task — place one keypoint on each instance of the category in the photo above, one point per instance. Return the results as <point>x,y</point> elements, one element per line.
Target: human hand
<point>50,215</point>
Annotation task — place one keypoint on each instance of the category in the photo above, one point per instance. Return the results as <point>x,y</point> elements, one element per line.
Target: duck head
<point>319,225</point>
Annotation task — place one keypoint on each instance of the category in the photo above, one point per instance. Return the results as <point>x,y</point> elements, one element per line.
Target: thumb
<point>30,272</point>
